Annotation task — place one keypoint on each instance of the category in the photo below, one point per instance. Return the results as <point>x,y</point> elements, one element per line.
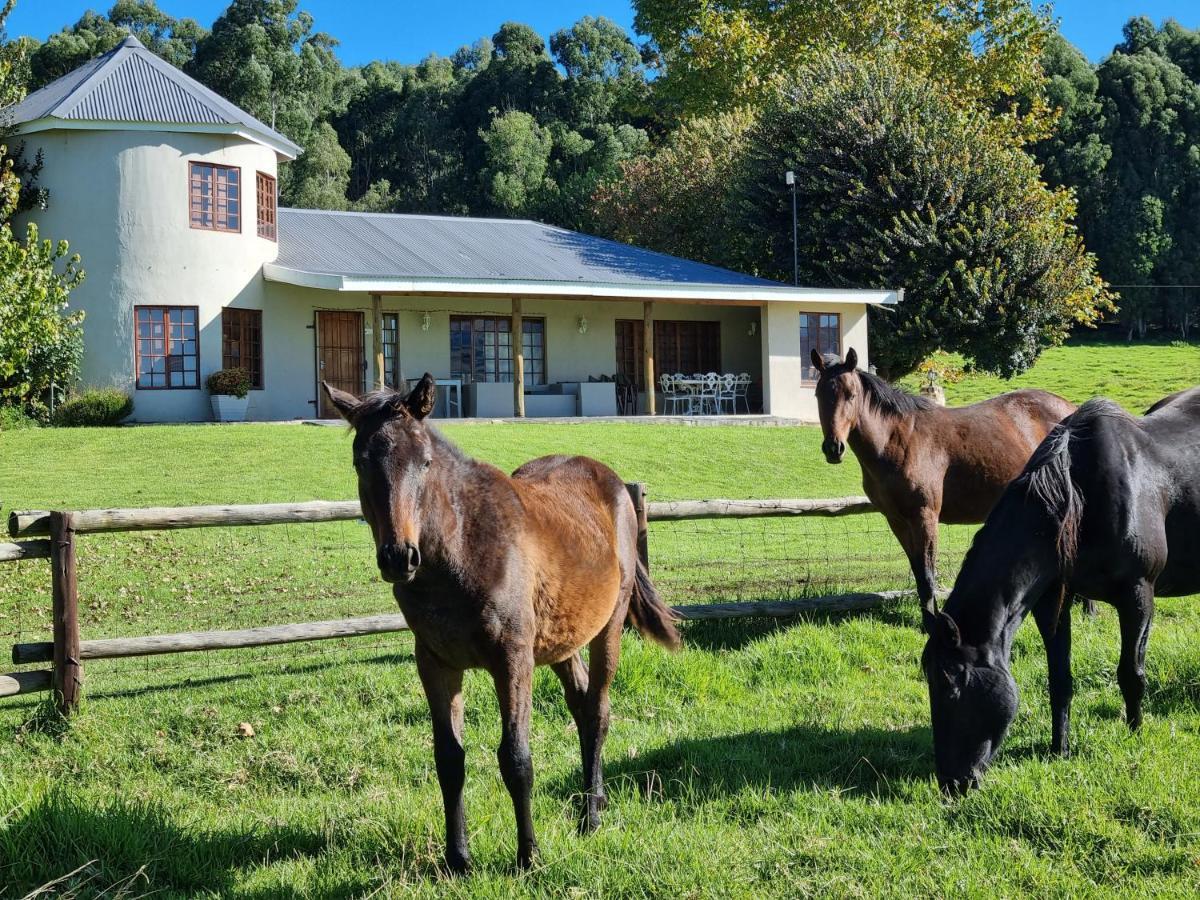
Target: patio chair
<point>727,393</point>
<point>708,393</point>
<point>741,392</point>
<point>672,398</point>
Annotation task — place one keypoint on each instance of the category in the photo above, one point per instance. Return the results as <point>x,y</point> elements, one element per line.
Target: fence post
<point>637,492</point>
<point>68,670</point>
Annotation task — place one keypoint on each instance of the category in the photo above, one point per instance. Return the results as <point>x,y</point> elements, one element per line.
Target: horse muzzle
<point>398,562</point>
<point>833,450</point>
<point>957,787</point>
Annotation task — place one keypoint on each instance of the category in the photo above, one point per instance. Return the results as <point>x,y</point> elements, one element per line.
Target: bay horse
<point>1107,508</point>
<point>501,573</point>
<point>922,463</point>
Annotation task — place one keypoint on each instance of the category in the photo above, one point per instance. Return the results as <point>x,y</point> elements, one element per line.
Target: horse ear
<point>818,360</point>
<point>421,400</point>
<point>852,358</point>
<point>346,404</point>
<point>944,629</point>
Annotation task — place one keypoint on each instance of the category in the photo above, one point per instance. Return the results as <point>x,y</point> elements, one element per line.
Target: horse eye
<point>427,464</point>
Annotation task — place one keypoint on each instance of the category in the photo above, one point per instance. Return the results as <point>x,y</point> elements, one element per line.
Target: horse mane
<point>889,399</point>
<point>1047,478</point>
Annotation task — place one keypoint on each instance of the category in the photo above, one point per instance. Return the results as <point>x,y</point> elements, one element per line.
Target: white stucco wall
<point>785,392</point>
<point>121,199</point>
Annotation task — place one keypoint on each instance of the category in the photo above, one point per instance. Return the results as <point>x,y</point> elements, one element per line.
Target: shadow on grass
<point>865,761</point>
<point>137,844</point>
<point>735,634</point>
<point>253,670</point>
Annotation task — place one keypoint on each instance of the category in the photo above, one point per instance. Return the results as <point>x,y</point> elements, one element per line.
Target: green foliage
<point>233,382</point>
<point>898,185</point>
<point>1127,142</point>
<point>671,198</point>
<point>173,39</point>
<point>41,343</point>
<point>320,176</point>
<point>517,152</point>
<point>726,53</point>
<point>14,418</point>
<point>93,408</point>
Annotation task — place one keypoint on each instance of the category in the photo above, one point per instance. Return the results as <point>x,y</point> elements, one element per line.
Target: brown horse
<point>501,573</point>
<point>923,463</point>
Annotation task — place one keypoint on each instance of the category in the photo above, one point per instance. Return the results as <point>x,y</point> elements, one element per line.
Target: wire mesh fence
<point>148,583</point>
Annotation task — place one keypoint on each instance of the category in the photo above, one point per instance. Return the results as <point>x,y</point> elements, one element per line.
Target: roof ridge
<point>397,215</point>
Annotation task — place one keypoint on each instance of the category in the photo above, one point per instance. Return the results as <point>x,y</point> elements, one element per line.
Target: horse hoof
<point>589,823</point>
<point>458,862</point>
<point>527,857</point>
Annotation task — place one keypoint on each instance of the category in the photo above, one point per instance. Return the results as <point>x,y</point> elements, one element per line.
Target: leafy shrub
<point>13,418</point>
<point>94,407</point>
<point>229,383</point>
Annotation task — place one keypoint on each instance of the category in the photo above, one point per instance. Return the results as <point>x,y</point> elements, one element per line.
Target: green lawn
<point>1135,375</point>
<point>766,758</point>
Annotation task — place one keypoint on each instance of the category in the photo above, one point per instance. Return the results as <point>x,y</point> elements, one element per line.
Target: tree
<point>173,39</point>
<point>41,342</point>
<point>718,54</point>
<point>674,199</point>
<point>604,70</point>
<point>517,152</point>
<point>899,185</point>
<point>321,174</point>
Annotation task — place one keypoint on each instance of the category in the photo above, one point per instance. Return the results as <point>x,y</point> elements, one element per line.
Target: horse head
<point>393,456</point>
<point>839,395</point>
<point>972,701</point>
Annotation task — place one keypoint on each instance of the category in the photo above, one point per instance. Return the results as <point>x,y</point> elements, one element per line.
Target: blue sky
<point>407,31</point>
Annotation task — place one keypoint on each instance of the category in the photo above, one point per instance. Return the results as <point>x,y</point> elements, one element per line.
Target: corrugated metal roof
<point>377,245</point>
<point>131,84</point>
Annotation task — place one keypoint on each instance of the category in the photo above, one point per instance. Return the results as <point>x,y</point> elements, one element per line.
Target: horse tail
<point>649,615</point>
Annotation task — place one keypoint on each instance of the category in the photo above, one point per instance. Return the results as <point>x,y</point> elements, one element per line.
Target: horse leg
<point>603,653</point>
<point>1135,613</point>
<point>574,677</point>
<point>443,690</point>
<point>514,690</point>
<point>1054,623</point>
<point>918,535</point>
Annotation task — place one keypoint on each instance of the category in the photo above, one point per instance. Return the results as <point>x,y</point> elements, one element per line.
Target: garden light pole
<point>790,179</point>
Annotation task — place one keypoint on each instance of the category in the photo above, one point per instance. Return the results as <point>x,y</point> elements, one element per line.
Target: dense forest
<point>679,142</point>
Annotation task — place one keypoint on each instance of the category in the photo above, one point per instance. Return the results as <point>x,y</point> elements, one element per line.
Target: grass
<point>766,759</point>
<point>1134,375</point>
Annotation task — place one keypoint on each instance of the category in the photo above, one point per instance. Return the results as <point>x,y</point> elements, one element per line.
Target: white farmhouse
<point>168,193</point>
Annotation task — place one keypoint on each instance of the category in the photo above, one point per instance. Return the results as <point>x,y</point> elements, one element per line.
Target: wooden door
<point>340,359</point>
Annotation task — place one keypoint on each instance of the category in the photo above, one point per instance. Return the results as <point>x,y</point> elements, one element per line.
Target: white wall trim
<point>684,293</point>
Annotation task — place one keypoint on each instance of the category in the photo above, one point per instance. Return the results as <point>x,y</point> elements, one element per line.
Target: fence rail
<point>67,651</point>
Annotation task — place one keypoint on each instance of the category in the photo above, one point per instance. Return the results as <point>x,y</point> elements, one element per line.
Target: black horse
<point>1108,508</point>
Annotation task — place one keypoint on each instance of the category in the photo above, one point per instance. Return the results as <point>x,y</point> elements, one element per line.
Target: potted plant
<point>227,390</point>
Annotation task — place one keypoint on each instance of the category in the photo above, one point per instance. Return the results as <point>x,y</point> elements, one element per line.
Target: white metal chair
<point>741,392</point>
<point>709,392</point>
<point>672,398</point>
<point>727,393</point>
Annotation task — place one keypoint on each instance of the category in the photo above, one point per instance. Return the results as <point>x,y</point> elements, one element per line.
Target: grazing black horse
<point>1108,508</point>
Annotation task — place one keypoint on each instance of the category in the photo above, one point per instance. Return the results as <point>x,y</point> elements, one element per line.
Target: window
<point>266,206</point>
<point>241,343</point>
<point>481,348</point>
<point>166,348</point>
<point>216,197</point>
<point>822,331</point>
<point>685,347</point>
<point>391,346</point>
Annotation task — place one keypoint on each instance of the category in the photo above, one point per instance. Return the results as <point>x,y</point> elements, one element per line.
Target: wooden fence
<point>53,535</point>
